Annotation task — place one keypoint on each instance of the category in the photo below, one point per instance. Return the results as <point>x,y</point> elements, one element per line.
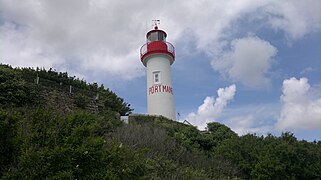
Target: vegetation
<point>46,132</point>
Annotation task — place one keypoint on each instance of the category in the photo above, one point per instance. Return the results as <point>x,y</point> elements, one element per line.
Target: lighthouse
<point>157,55</point>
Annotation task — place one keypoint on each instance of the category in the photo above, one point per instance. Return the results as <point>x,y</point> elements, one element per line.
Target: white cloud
<point>211,109</point>
<point>301,106</point>
<point>104,36</point>
<point>307,70</point>
<point>254,118</point>
<point>21,52</point>
<point>88,37</point>
<point>296,18</point>
<point>248,124</point>
<point>247,62</point>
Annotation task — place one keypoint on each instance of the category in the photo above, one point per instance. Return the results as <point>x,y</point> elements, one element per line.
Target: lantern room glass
<point>156,36</point>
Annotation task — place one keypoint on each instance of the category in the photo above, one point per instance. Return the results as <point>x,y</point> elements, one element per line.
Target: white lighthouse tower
<point>157,56</point>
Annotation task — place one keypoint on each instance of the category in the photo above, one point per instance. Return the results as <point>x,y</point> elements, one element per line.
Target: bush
<point>81,101</point>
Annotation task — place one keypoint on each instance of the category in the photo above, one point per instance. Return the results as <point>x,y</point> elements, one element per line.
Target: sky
<point>254,66</point>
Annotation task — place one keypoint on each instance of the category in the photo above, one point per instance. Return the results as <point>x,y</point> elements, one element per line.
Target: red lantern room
<point>156,44</point>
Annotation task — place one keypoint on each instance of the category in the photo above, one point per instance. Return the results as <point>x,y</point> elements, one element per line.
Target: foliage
<point>70,146</point>
<point>18,87</point>
<point>86,140</point>
<point>273,157</point>
<point>7,139</point>
<point>14,91</point>
<point>183,143</point>
<point>81,101</point>
<point>115,103</point>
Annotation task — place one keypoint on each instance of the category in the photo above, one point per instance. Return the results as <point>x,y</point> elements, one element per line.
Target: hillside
<point>48,132</point>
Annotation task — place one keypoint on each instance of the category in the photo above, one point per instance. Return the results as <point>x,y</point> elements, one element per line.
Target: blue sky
<point>252,65</point>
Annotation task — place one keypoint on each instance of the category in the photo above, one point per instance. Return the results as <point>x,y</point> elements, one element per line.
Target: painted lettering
<point>156,89</point>
<point>160,89</point>
<point>151,90</point>
<point>164,88</point>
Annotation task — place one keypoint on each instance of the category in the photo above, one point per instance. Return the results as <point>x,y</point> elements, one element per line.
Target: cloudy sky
<point>254,66</point>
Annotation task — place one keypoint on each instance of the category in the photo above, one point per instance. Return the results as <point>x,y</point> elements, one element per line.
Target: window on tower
<point>157,78</point>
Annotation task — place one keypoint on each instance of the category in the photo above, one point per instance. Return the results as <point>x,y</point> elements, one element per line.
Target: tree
<point>14,91</point>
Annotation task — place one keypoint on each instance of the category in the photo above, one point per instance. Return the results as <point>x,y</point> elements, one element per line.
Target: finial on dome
<point>156,22</point>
